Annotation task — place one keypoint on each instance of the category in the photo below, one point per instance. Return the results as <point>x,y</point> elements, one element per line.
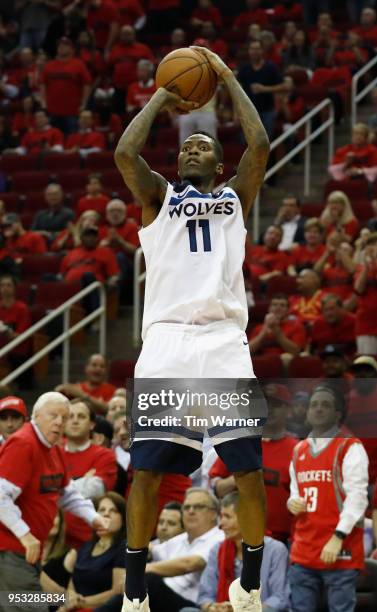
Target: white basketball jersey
<point>194,252</point>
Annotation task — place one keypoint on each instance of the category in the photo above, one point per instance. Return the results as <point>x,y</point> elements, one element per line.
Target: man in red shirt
<point>13,414</point>
<point>91,469</point>
<point>131,12</point>
<point>307,305</point>
<point>267,261</point>
<point>280,334</point>
<point>358,159</point>
<point>33,483</point>
<point>367,30</point>
<point>18,241</point>
<point>277,454</point>
<point>329,479</point>
<point>253,14</point>
<point>334,326</point>
<point>205,12</point>
<point>43,138</point>
<point>95,199</point>
<point>94,388</point>
<point>124,57</point>
<point>103,20</point>
<point>86,140</point>
<point>65,87</point>
<point>141,91</point>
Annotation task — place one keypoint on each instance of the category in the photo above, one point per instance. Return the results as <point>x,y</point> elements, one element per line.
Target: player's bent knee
<point>147,478</point>
<point>250,483</point>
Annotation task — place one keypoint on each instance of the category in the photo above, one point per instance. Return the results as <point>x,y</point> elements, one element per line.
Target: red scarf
<point>225,561</point>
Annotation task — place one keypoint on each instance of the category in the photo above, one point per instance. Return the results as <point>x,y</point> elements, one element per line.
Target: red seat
<point>258,311</point>
<point>113,180</point>
<point>54,294</point>
<point>309,366</point>
<point>74,179</point>
<point>101,161</point>
<point>33,266</point>
<point>56,162</point>
<point>268,366</point>
<point>355,188</point>
<point>229,133</point>
<point>233,151</point>
<point>18,163</point>
<point>124,194</point>
<point>23,182</point>
<point>155,157</point>
<point>120,370</point>
<point>33,201</point>
<point>11,201</point>
<point>167,137</point>
<point>134,212</point>
<point>281,284</point>
<point>312,209</point>
<point>37,313</point>
<point>363,210</point>
<point>25,292</point>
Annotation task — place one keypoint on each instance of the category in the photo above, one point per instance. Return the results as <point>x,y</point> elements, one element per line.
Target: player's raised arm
<point>252,166</point>
<point>147,186</point>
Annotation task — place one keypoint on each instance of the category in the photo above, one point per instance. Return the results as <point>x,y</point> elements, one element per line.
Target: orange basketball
<point>189,74</point>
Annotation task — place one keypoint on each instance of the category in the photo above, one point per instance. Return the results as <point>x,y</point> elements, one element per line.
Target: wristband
<point>340,534</point>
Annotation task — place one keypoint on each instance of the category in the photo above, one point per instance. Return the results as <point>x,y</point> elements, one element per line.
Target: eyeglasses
<point>196,507</point>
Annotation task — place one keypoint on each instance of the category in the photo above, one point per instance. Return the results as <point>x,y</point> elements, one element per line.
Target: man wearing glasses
<point>174,574</point>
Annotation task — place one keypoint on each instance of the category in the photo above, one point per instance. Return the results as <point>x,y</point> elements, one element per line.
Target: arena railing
<point>64,337</point>
<point>356,96</point>
<point>305,144</point>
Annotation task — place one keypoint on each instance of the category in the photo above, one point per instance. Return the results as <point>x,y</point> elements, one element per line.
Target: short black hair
<point>174,505</point>
<point>218,146</point>
<point>339,402</point>
<point>89,406</point>
<point>279,296</point>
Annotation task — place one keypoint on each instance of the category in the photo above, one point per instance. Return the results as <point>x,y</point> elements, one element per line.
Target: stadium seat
<point>11,201</point>
<point>52,295</point>
<point>281,284</point>
<point>112,179</point>
<point>229,133</point>
<point>357,189</point>
<point>56,162</point>
<point>98,162</point>
<point>258,311</point>
<point>33,266</point>
<point>25,292</point>
<point>120,370</point>
<point>33,201</point>
<point>309,366</point>
<point>74,179</point>
<point>312,209</point>
<point>30,181</point>
<point>268,366</point>
<point>18,163</point>
<point>363,210</point>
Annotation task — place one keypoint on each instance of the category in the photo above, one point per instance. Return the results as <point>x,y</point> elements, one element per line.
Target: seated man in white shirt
<point>291,222</point>
<point>174,574</point>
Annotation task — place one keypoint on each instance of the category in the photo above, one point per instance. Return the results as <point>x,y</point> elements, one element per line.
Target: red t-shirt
<point>138,95</point>
<point>40,140</point>
<point>365,156</point>
<point>336,279</point>
<point>86,140</point>
<point>22,122</point>
<point>262,260</point>
<point>64,81</point>
<point>124,59</point>
<point>319,480</point>
<point>303,257</point>
<point>18,318</point>
<point>129,11</point>
<point>93,60</point>
<point>308,309</point>
<point>78,464</point>
<point>99,20</point>
<point>288,13</point>
<point>351,228</point>
<point>362,421</point>
<point>210,14</point>
<point>100,261</point>
<point>104,391</point>
<point>258,16</point>
<point>367,35</point>
<point>324,333</point>
<point>347,57</point>
<point>29,242</point>
<point>41,474</point>
<point>128,231</point>
<point>97,203</point>
<point>366,319</point>
<point>291,327</point>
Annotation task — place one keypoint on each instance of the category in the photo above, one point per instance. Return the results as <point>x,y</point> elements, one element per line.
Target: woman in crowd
<point>338,216</point>
<point>69,238</point>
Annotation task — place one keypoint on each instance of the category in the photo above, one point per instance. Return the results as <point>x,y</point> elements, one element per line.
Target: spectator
<point>307,254</point>
<point>307,305</point>
<point>70,237</point>
<point>367,30</point>
<point>131,12</point>
<point>13,414</point>
<point>33,481</point>
<point>95,198</point>
<point>204,12</point>
<point>336,268</point>
<point>338,216</point>
<point>289,106</point>
<point>216,44</point>
<point>94,388</point>
<point>277,447</point>
<point>253,14</point>
<point>334,362</point>
<point>106,121</point>
<point>66,87</point>
<point>361,418</point>
<point>267,261</point>
<point>291,221</point>
<point>6,139</point>
<point>288,34</point>
<point>18,241</point>
<point>270,48</point>
<point>177,41</point>
<point>312,8</point>
<point>103,20</point>
<point>170,522</point>
<point>300,54</point>
<point>225,562</point>
<point>40,139</point>
<point>352,54</point>
<point>174,573</point>
<point>261,79</point>
<point>202,120</point>
<point>163,15</point>
<point>124,57</point>
<point>117,404</point>
<point>34,20</point>
<point>122,444</point>
<point>287,10</point>
<point>141,91</point>
<point>103,432</point>
<point>97,568</point>
<point>280,334</point>
<point>92,57</point>
<point>54,576</point>
<point>24,120</point>
<point>86,140</point>
<point>91,468</point>
<point>329,478</point>
<point>366,289</point>
<point>49,221</point>
<point>296,423</point>
<point>334,326</point>
<point>356,160</point>
<point>14,320</point>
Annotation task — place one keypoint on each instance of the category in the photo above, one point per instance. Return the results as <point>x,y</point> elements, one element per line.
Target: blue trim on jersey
<point>196,194</point>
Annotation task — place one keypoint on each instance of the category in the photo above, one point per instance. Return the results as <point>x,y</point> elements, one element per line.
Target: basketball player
<point>195,315</point>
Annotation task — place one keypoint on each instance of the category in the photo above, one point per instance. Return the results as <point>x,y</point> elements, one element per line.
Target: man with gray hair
<point>33,483</point>
<point>141,91</point>
<point>174,574</point>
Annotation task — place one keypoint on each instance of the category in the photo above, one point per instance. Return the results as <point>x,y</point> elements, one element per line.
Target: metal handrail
<point>139,276</point>
<point>356,97</point>
<point>64,337</point>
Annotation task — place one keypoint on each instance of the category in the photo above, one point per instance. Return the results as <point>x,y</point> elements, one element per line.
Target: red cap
<point>13,403</point>
<point>278,392</point>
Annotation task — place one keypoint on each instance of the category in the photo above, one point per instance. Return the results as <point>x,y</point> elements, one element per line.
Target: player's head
<point>200,158</point>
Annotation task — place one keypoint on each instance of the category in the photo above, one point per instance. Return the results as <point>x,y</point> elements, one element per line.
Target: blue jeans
<point>307,585</point>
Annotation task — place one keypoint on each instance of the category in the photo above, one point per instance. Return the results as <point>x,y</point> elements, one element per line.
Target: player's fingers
<point>199,49</point>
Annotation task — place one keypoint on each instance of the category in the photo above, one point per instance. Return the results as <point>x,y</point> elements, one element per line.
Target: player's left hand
<point>331,550</point>
<point>214,60</point>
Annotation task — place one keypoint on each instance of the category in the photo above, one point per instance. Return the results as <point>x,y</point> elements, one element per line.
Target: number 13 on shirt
<point>204,226</point>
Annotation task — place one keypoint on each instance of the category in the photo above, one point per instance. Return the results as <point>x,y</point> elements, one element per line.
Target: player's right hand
<point>296,505</point>
<point>214,60</point>
<point>32,547</point>
<point>174,103</point>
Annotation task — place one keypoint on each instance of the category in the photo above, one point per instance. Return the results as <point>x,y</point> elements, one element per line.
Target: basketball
<point>189,74</point>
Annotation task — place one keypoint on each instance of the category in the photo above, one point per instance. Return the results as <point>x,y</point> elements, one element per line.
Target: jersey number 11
<point>204,224</point>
